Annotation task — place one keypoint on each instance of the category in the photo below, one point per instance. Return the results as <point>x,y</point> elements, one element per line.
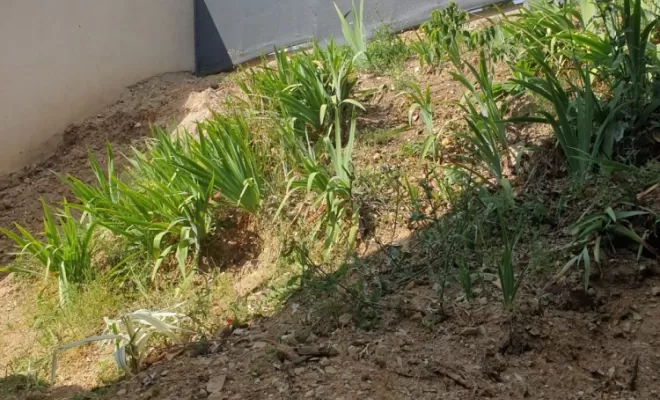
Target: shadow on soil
<point>400,319</point>
<point>22,387</point>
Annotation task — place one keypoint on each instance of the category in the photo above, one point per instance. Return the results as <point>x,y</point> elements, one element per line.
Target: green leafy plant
<point>422,103</point>
<point>355,34</point>
<point>465,278</point>
<point>592,229</point>
<point>130,335</point>
<point>426,53</point>
<point>506,270</point>
<point>302,87</point>
<point>484,117</point>
<point>224,156</point>
<point>583,127</point>
<point>629,36</point>
<point>161,211</point>
<point>493,38</point>
<point>332,186</point>
<point>444,34</point>
<point>64,252</point>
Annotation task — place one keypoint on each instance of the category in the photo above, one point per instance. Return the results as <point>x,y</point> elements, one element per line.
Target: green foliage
<point>355,34</point>
<point>333,187</point>
<point>629,36</point>
<point>422,103</point>
<point>224,156</point>
<point>484,117</point>
<point>465,279</point>
<point>444,34</point>
<point>506,269</point>
<point>583,126</point>
<point>387,51</point>
<point>595,227</point>
<point>159,212</point>
<point>493,38</point>
<point>303,86</point>
<point>425,52</point>
<point>64,252</point>
<point>576,47</point>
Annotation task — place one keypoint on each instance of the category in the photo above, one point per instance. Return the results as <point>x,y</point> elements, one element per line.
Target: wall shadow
<point>211,55</point>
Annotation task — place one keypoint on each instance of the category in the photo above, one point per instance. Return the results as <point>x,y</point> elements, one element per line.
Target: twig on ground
<point>632,383</point>
<point>442,370</point>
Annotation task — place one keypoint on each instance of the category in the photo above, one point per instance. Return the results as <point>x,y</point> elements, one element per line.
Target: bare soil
<point>560,343</point>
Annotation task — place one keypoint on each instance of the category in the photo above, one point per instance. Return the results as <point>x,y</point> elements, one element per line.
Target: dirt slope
<point>562,344</point>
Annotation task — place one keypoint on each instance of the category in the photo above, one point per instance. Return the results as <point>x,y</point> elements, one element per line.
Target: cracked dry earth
<point>561,343</point>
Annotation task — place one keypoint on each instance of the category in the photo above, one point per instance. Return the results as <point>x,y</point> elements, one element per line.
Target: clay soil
<point>560,342</point>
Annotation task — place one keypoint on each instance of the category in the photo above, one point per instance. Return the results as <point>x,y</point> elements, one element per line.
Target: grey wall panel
<point>229,32</point>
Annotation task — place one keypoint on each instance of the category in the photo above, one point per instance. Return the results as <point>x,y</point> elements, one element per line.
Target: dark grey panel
<point>229,32</point>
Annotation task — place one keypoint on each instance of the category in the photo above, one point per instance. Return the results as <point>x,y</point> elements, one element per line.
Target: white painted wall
<point>62,60</point>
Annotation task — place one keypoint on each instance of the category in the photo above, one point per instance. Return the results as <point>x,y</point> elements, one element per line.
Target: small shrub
<point>444,35</point>
<point>387,51</point>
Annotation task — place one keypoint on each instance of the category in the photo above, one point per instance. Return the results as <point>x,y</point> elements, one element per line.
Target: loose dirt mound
<point>163,100</point>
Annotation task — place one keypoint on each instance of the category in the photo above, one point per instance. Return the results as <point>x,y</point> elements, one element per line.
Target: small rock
<point>202,392</point>
<point>377,157</point>
<point>164,373</point>
<point>137,125</point>
<point>289,339</point>
<point>345,319</point>
<point>224,332</point>
<point>637,316</point>
<point>655,291</point>
<point>309,394</point>
<point>353,350</point>
<point>470,332</point>
<point>324,362</point>
<point>626,327</point>
<point>216,384</point>
<point>330,370</point>
<point>260,345</point>
<point>121,392</point>
<point>240,331</point>
<point>591,292</point>
<point>533,331</point>
<point>299,371</point>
